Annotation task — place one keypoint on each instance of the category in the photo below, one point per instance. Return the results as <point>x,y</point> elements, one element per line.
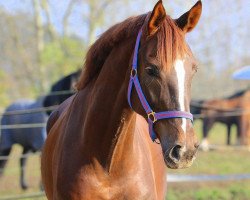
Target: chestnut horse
<point>98,147</point>
<point>245,119</point>
<point>230,111</point>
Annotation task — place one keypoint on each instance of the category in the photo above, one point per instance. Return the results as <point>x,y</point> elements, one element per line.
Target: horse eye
<point>152,71</point>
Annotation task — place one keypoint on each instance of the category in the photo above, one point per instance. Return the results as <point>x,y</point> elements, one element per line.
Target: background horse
<point>245,119</point>
<point>61,90</point>
<point>31,139</point>
<point>196,107</point>
<point>226,111</point>
<point>99,147</point>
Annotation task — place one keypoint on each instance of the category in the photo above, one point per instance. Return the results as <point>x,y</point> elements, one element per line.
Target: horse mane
<point>237,94</point>
<point>171,44</point>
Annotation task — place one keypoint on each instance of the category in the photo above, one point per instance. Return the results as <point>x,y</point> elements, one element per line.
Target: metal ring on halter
<point>157,141</point>
<point>152,117</point>
<point>133,73</point>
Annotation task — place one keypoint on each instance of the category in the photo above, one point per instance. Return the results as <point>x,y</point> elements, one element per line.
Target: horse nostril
<point>196,145</point>
<point>175,153</point>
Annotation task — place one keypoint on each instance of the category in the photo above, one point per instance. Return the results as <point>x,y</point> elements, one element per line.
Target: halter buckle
<point>133,73</point>
<point>152,117</point>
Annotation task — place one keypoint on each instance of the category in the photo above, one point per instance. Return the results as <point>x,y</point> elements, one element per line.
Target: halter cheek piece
<point>152,116</point>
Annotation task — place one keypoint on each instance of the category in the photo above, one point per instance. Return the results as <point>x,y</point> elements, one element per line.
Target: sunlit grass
<point>9,183</point>
<point>218,134</point>
<point>233,190</point>
<point>230,161</point>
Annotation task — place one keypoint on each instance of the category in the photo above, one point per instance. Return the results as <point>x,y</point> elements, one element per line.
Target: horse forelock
<point>171,44</point>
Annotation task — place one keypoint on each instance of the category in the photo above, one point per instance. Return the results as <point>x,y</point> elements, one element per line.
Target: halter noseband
<point>152,116</point>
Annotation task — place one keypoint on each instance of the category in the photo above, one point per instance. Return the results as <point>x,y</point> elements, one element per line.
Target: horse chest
<point>115,188</point>
<point>93,182</point>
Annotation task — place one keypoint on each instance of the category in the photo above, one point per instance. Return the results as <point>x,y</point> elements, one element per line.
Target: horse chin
<point>180,165</point>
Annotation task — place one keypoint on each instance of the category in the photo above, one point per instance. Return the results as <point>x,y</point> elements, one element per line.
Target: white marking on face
<point>180,72</point>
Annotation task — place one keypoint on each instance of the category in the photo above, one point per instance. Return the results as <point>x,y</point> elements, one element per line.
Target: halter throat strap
<point>153,117</point>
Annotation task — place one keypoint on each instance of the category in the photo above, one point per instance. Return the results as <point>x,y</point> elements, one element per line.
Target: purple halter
<point>152,116</point>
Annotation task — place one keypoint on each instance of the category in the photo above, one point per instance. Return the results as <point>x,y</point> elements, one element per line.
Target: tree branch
<point>51,28</point>
<point>66,16</point>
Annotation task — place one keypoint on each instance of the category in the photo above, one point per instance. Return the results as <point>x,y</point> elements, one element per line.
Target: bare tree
<point>39,29</point>
<point>66,16</point>
<point>46,8</point>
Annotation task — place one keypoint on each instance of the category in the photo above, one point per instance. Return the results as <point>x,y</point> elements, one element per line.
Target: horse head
<point>166,67</point>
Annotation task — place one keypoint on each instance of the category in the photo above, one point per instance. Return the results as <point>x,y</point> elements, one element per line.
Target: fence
<point>171,178</point>
<point>225,113</point>
<point>9,182</point>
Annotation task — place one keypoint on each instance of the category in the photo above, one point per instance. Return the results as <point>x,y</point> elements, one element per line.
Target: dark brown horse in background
<point>97,146</point>
<point>226,111</point>
<point>61,90</point>
<point>245,119</point>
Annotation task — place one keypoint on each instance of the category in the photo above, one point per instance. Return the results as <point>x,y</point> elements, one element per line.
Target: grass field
<point>214,162</point>
<point>228,161</point>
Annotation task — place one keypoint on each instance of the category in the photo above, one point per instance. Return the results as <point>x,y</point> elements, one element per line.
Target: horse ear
<point>189,20</point>
<point>158,15</point>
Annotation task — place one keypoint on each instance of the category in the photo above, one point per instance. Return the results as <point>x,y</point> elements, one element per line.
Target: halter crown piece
<point>152,116</point>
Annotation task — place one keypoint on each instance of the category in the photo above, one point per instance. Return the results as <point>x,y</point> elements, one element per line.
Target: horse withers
<point>61,90</point>
<point>100,142</point>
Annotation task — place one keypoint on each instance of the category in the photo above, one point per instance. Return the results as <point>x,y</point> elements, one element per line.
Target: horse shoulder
<point>52,143</point>
<point>154,152</point>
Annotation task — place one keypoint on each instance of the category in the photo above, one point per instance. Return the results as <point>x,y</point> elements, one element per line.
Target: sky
<point>58,7</point>
<point>224,17</point>
<point>220,42</point>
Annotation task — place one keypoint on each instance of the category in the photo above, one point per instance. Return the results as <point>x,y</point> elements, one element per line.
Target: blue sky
<point>223,25</point>
<point>58,8</point>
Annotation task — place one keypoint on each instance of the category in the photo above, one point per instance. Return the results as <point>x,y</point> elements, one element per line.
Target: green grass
<point>227,161</point>
<point>218,133</point>
<point>212,162</point>
<point>219,162</point>
<point>237,190</point>
<point>9,183</point>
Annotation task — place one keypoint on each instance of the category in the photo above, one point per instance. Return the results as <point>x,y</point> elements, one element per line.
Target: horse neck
<point>108,114</point>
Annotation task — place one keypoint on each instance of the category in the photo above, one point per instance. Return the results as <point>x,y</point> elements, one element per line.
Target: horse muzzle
<point>180,157</point>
